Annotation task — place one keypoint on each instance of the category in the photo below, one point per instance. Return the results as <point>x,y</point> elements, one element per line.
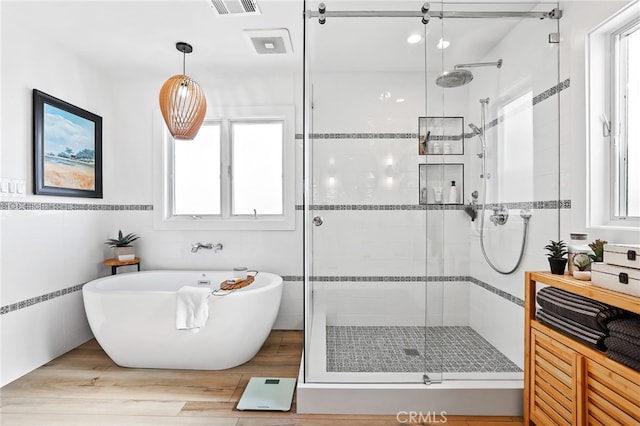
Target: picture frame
<point>441,135</point>
<point>435,182</point>
<point>67,149</point>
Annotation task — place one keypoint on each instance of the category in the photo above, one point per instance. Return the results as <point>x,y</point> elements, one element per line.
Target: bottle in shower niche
<point>453,193</point>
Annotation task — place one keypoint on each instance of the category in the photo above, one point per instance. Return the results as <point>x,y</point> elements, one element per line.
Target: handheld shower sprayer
<point>478,132</point>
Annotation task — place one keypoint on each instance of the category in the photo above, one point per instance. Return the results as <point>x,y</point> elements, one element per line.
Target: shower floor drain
<point>411,352</point>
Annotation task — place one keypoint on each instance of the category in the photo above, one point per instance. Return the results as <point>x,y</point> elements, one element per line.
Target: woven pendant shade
<point>183,106</point>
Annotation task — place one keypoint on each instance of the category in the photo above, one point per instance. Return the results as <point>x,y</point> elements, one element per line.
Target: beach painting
<point>67,149</point>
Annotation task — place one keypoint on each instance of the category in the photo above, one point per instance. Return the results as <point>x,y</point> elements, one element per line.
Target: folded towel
<point>589,336</point>
<point>192,308</point>
<point>622,359</point>
<point>628,325</point>
<point>623,347</point>
<point>580,309</point>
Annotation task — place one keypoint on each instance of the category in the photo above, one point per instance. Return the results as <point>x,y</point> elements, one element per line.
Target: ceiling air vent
<point>235,7</point>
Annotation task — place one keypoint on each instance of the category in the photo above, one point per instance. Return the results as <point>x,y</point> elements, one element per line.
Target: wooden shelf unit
<point>567,382</point>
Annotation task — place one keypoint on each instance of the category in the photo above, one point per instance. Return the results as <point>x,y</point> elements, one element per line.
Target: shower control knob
<point>317,221</point>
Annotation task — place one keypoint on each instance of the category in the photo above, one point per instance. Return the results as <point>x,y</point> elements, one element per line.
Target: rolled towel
<point>589,336</point>
<point>192,307</point>
<point>585,311</point>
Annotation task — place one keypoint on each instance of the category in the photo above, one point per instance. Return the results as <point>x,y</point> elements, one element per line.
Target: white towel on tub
<point>192,308</point>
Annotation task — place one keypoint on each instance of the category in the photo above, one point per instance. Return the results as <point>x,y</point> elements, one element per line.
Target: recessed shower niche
<point>441,135</point>
<point>441,183</point>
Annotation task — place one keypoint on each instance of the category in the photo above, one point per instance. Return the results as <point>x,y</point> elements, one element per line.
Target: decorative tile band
<point>497,291</point>
<point>533,205</point>
<point>456,278</point>
<point>292,278</point>
<point>39,299</point>
<point>552,91</point>
<point>298,278</point>
<point>13,205</point>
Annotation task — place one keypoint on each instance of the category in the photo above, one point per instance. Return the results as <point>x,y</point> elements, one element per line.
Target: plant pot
<point>557,266</point>
<point>124,253</point>
<point>582,275</point>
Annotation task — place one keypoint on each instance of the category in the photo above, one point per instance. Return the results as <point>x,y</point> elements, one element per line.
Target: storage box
<point>617,278</point>
<point>627,255</point>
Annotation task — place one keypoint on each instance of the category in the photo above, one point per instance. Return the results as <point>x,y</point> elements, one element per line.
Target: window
<point>626,128</point>
<point>238,173</point>
<point>613,90</point>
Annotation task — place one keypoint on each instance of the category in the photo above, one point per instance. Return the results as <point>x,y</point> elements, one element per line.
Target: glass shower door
<point>366,227</point>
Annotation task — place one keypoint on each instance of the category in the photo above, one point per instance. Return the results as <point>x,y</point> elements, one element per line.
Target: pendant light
<point>182,102</point>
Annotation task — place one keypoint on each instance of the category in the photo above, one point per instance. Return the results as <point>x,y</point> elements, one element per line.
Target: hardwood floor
<point>85,388</point>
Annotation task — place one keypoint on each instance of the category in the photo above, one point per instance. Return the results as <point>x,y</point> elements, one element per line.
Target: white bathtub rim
<point>94,286</point>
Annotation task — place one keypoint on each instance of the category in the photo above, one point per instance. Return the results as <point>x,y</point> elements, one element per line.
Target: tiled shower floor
<point>403,349</point>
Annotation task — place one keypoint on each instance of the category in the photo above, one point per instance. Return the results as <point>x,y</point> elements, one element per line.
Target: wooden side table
<point>115,264</point>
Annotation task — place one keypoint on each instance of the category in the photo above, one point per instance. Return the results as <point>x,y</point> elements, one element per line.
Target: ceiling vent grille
<point>235,7</point>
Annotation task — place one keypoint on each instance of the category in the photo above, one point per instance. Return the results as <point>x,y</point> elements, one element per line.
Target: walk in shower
<point>431,153</point>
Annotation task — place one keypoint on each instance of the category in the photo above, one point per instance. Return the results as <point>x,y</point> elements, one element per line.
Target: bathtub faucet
<point>197,246</point>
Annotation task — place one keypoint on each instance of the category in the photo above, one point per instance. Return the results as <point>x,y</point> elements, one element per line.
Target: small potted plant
<point>582,261</point>
<point>123,248</point>
<point>557,250</point>
<point>598,250</point>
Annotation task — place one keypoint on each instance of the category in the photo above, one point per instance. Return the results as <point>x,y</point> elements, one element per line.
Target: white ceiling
<point>139,36</point>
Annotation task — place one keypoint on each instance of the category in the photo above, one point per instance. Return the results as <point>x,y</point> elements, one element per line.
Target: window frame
<point>602,132</point>
<point>165,219</point>
<point>620,119</point>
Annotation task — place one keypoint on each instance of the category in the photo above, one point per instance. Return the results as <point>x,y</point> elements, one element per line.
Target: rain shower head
<point>455,78</point>
<point>460,76</point>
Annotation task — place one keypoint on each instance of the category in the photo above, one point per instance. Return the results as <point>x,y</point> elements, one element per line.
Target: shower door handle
<point>317,221</point>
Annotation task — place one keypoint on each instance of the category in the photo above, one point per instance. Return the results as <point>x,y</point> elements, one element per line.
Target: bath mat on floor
<point>267,394</point>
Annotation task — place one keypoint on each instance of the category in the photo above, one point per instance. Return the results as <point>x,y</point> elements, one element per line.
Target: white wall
<point>45,251</point>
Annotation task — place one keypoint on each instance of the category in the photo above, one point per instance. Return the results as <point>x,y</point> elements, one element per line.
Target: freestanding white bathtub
<point>132,316</point>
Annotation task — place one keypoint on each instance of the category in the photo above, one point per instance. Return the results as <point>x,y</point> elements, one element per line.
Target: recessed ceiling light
<point>269,45</point>
<point>399,100</point>
<point>442,44</point>
<point>414,38</point>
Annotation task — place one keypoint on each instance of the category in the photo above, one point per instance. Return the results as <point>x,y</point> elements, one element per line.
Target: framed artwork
<point>67,149</point>
<point>441,183</point>
<point>440,135</point>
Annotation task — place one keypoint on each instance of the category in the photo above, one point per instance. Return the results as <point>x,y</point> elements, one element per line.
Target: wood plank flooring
<point>85,388</point>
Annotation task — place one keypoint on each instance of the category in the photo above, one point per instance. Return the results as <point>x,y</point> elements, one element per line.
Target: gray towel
<point>622,359</point>
<point>628,325</point>
<point>623,347</point>
<point>589,336</point>
<point>580,309</point>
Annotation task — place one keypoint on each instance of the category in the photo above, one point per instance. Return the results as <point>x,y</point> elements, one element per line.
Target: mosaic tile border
<point>536,205</point>
<point>533,205</point>
<point>451,278</point>
<point>552,91</point>
<point>21,205</point>
<point>39,299</point>
<point>299,278</point>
